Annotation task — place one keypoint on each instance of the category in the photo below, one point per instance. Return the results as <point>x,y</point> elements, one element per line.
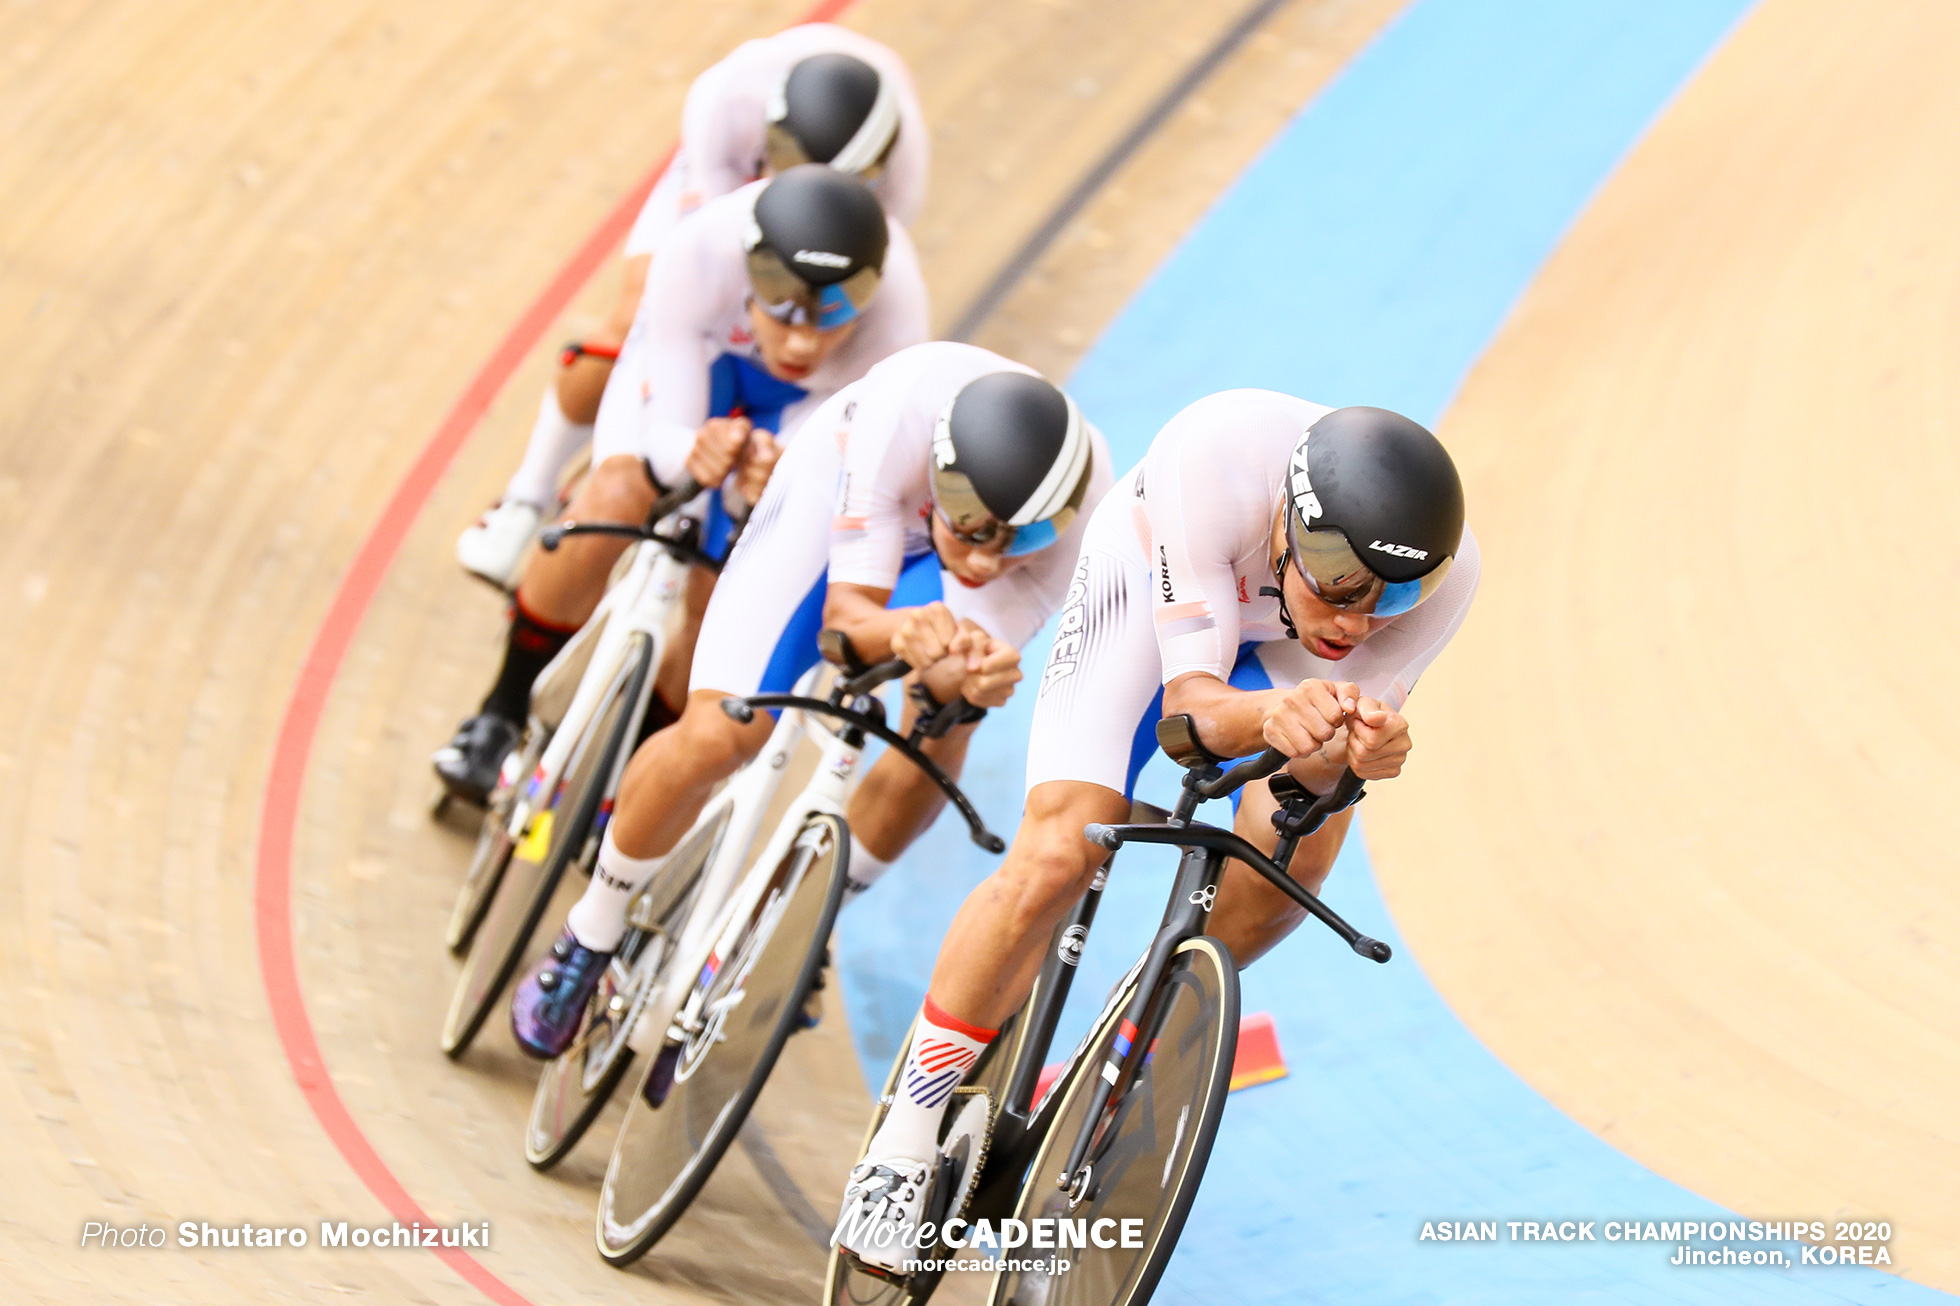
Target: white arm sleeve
<point>716,141</point>
<point>883,473</point>
<point>676,315</point>
<point>1193,510</point>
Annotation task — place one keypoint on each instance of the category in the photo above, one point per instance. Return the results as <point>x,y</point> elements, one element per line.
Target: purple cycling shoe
<point>547,1007</point>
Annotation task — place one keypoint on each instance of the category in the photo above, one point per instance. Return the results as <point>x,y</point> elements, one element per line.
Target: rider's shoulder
<point>940,365</point>
<point>1243,417</point>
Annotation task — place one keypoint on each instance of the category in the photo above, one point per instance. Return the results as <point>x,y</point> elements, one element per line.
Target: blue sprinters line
<point>1369,256</point>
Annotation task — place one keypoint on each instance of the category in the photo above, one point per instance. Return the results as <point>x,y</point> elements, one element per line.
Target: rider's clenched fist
<point>992,666</point>
<point>758,460</point>
<point>717,445</point>
<point>1308,715</point>
<point>1377,740</point>
<point>925,635</point>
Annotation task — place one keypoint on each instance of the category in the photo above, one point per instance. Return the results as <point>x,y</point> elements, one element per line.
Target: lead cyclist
<point>933,512</point>
<point>1278,570</point>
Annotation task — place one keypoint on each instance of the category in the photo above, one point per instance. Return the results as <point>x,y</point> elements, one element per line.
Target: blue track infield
<point>1369,256</point>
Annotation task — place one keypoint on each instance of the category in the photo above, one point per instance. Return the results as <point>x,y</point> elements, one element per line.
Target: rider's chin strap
<point>1279,579</point>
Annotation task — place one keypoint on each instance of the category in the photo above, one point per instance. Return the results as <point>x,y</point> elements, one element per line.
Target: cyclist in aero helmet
<point>816,93</point>
<point>1028,489</point>
<point>815,248</point>
<point>932,513</point>
<point>1280,571</point>
<point>1369,474</point>
<point>834,109</point>
<point>759,306</point>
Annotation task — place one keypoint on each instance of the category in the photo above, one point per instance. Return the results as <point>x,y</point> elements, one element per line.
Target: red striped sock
<point>943,1049</point>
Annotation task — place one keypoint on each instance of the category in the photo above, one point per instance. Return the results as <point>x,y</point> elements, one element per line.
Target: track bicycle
<point>1124,1130</point>
<point>589,707</point>
<point>726,957</point>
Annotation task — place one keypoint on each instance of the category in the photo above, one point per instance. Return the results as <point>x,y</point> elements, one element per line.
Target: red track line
<point>272,888</point>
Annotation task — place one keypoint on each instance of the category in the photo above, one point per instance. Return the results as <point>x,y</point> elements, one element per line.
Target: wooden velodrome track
<point>253,255</point>
<point>1684,852</point>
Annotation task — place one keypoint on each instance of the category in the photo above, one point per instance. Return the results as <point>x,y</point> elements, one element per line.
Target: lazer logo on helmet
<point>823,258</point>
<point>1400,550</point>
<point>1305,502</point>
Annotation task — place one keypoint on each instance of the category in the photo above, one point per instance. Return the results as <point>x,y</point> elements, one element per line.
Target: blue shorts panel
<point>919,583</point>
<point>1248,673</point>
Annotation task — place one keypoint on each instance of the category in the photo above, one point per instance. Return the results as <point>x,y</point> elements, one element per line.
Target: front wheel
<point>574,1088</point>
<point>559,834</point>
<point>751,1004</point>
<point>1150,1144</point>
<point>493,845</point>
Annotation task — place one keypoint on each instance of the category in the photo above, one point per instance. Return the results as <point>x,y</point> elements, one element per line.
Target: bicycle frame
<point>726,903</point>
<point>641,601</point>
<point>1021,1121</point>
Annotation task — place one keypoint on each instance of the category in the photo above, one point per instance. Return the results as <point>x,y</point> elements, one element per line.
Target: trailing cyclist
<point>817,93</point>
<point>1281,572</point>
<point>934,514</point>
<point>758,307</point>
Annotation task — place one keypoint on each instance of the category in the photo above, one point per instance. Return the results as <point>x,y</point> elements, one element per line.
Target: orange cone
<point>1257,1060</point>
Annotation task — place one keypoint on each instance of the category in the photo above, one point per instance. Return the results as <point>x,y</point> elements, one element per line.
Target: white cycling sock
<point>554,440</point>
<point>864,872</point>
<point>598,919</point>
<point>943,1050</point>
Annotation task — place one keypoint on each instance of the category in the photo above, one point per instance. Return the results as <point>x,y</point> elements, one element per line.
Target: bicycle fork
<point>1198,873</point>
<point>677,1010</point>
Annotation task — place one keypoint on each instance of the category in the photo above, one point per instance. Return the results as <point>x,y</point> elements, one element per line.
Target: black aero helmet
<point>1010,452</point>
<point>816,247</point>
<point>1374,511</point>
<point>834,109</point>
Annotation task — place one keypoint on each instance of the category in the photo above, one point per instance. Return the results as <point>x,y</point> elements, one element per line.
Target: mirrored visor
<point>787,297</point>
<point>1338,578</point>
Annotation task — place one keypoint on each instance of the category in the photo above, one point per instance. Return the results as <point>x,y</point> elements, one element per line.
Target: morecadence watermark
<point>1058,1234</point>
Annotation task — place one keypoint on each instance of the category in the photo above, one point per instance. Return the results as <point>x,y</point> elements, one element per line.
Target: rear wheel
<point>753,1001</point>
<point>1150,1145</point>
<point>575,1086</point>
<point>560,833</point>
<point>493,846</point>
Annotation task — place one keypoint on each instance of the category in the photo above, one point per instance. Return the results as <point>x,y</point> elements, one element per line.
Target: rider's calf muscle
<point>673,774</point>
<point>998,940</point>
<point>581,385</point>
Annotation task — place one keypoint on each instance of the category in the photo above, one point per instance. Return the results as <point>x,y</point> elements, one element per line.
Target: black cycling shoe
<point>469,764</point>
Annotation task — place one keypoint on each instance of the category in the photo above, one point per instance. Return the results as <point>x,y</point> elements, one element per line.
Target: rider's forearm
<point>861,614</point>
<point>1229,720</point>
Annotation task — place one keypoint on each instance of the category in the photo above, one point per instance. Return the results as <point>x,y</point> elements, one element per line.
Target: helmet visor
<point>781,151</point>
<point>1338,577</point>
<point>974,524</point>
<point>787,297</point>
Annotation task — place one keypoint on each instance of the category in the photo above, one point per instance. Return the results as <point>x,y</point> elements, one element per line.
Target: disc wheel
<point>1150,1145</point>
<point>493,848</point>
<point>664,1155</point>
<point>575,1086</point>
<point>845,1281</point>
<point>556,836</point>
